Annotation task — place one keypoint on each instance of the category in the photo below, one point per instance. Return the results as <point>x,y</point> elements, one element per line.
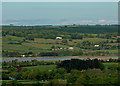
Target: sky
<point>60,0</point>
<point>59,13</point>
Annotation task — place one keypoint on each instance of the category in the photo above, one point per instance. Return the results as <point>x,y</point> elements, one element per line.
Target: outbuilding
<point>96,45</point>
<point>58,37</point>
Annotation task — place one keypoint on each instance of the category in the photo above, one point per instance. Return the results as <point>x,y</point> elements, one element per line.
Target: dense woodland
<point>72,72</point>
<point>33,41</point>
<point>67,32</point>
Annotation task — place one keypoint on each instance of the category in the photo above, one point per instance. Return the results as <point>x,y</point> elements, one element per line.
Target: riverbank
<point>55,58</point>
<point>59,57</point>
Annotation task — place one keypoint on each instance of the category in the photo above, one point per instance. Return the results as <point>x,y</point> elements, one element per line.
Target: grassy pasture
<point>13,39</point>
<point>25,82</point>
<point>13,43</point>
<point>38,40</point>
<point>42,67</point>
<point>42,46</point>
<point>111,65</point>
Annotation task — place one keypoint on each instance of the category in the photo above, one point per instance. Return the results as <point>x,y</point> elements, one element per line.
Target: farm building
<point>70,48</point>
<point>96,45</point>
<point>23,55</point>
<point>118,36</point>
<point>58,37</point>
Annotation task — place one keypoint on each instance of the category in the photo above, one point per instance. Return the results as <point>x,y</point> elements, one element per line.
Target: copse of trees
<point>51,32</point>
<point>76,36</point>
<point>84,73</point>
<point>10,54</point>
<point>48,54</point>
<point>80,64</point>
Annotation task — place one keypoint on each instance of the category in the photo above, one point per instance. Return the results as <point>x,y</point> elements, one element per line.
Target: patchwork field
<point>13,43</point>
<point>42,67</point>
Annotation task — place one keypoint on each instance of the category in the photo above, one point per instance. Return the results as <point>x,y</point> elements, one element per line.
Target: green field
<point>16,44</point>
<point>42,67</point>
<point>111,65</point>
<point>41,40</point>
<point>25,82</point>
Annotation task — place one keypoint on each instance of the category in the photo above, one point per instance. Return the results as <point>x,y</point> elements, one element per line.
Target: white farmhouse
<point>23,55</point>
<point>58,37</point>
<point>61,48</point>
<point>96,45</point>
<point>70,48</point>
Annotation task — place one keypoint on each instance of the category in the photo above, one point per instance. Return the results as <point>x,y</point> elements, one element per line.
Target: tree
<point>86,43</point>
<point>78,45</point>
<point>80,64</point>
<point>30,38</point>
<point>53,47</point>
<point>57,82</point>
<point>64,41</point>
<point>81,80</point>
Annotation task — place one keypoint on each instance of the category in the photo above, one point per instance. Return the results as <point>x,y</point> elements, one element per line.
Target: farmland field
<point>42,42</point>
<point>42,67</point>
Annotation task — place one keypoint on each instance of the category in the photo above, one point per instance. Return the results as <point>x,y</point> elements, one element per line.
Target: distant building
<point>58,37</point>
<point>70,48</point>
<point>23,55</point>
<point>61,48</point>
<point>30,55</point>
<point>53,49</point>
<point>96,45</point>
<point>65,48</point>
<point>118,36</point>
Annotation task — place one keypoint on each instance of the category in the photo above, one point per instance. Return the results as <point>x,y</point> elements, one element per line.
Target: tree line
<point>68,32</point>
<point>69,72</point>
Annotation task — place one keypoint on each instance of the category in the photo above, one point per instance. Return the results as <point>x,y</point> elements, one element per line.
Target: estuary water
<point>53,58</point>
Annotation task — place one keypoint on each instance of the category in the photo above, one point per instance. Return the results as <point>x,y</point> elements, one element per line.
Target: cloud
<point>107,21</point>
<point>15,23</point>
<point>78,22</point>
<point>58,21</point>
<point>101,21</point>
<point>86,21</point>
<point>112,21</point>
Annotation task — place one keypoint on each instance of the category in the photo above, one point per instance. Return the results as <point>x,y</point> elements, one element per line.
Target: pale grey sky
<point>34,13</point>
<point>60,0</point>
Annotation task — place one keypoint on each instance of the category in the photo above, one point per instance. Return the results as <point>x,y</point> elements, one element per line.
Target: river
<point>53,58</point>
